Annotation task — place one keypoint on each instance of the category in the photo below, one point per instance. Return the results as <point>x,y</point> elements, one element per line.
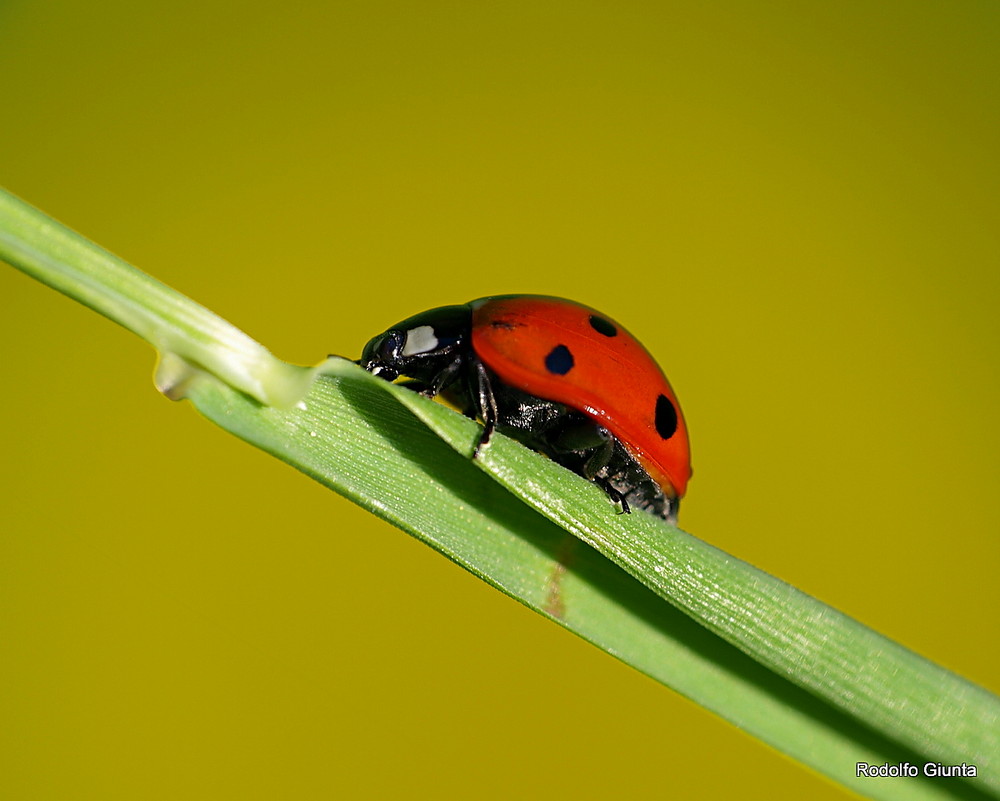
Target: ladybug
<point>558,376</point>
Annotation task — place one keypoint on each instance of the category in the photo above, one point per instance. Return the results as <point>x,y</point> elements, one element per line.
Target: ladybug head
<point>383,354</point>
<point>420,346</point>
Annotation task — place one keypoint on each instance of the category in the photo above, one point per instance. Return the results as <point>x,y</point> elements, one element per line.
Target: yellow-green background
<point>795,207</point>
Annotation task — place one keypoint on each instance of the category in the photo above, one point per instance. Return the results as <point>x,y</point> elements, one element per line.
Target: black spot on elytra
<point>559,360</point>
<point>506,325</point>
<point>602,326</point>
<point>666,417</point>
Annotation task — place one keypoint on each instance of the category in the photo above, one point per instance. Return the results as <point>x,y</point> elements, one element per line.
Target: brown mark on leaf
<point>555,604</point>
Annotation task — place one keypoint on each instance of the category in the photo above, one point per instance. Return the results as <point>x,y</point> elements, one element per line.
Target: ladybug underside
<point>569,438</point>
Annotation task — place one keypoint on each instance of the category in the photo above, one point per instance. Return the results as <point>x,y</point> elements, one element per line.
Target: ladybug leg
<point>602,454</point>
<point>592,439</point>
<point>487,406</point>
<point>597,445</point>
<point>431,389</point>
<point>450,372</point>
<point>614,495</point>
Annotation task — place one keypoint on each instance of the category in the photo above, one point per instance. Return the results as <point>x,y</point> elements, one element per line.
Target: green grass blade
<point>352,434</point>
<point>852,667</point>
<point>786,668</point>
<point>186,334</point>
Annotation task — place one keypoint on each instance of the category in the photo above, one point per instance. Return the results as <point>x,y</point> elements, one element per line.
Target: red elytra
<point>575,355</point>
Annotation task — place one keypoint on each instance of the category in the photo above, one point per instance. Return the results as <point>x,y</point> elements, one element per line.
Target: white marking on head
<point>419,340</point>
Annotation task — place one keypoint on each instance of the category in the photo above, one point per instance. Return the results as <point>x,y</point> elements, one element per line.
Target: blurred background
<point>795,210</point>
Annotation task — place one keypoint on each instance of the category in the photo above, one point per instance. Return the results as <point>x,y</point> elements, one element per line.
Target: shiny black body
<point>440,359</point>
